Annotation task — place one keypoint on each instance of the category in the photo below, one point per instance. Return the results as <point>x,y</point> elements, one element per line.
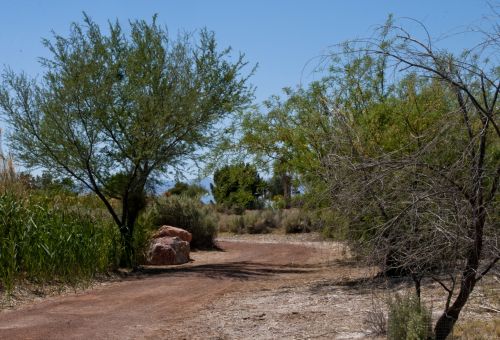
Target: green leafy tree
<point>289,136</point>
<point>238,187</point>
<point>275,186</point>
<point>115,110</point>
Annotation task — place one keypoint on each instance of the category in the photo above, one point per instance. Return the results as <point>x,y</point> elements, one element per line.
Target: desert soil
<point>256,287</point>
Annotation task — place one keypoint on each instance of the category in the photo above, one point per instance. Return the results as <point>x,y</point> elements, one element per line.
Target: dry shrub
<point>376,319</point>
<point>228,223</point>
<point>261,221</point>
<point>251,222</point>
<point>289,220</point>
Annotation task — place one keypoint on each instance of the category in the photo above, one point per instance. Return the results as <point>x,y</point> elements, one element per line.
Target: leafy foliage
<point>289,138</point>
<point>48,182</point>
<point>238,187</point>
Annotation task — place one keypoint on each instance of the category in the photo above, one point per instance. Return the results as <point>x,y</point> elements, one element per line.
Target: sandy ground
<point>256,288</point>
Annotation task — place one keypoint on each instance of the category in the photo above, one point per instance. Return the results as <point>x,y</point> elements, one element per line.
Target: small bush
<point>408,319</point>
<point>260,221</point>
<point>237,224</point>
<point>228,223</point>
<point>189,214</point>
<point>296,221</point>
<point>278,202</point>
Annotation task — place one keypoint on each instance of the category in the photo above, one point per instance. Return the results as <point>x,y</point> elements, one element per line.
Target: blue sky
<point>282,36</point>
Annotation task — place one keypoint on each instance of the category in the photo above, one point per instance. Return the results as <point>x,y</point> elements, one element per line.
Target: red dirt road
<point>147,305</point>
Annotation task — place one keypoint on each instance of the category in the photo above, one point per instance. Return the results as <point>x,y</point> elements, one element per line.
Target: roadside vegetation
<point>50,237</point>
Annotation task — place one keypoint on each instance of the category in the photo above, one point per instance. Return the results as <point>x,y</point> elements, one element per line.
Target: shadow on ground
<point>234,270</point>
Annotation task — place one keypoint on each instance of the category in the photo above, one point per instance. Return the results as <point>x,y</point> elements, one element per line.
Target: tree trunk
<point>445,323</point>
<point>287,189</point>
<point>132,204</point>
<point>127,257</point>
<point>417,280</point>
<point>447,320</point>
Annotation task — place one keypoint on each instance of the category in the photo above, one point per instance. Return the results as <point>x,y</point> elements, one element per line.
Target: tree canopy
<point>238,187</point>
<point>186,189</point>
<point>122,108</point>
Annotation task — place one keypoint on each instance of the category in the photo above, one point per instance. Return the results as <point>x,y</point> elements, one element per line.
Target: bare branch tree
<point>424,202</point>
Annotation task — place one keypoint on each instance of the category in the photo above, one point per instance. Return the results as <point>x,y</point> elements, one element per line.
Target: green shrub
<point>408,319</point>
<point>278,202</point>
<point>44,240</point>
<point>189,214</point>
<point>143,229</point>
<point>185,189</point>
<point>330,223</point>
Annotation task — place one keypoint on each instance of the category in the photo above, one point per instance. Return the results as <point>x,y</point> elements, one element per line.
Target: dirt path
<point>259,287</point>
<point>161,302</point>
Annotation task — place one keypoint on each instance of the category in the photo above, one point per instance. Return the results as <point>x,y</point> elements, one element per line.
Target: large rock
<point>170,231</point>
<point>168,250</point>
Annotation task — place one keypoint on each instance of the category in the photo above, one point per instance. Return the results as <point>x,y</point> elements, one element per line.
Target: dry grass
<point>276,220</point>
<point>482,318</point>
<point>477,329</point>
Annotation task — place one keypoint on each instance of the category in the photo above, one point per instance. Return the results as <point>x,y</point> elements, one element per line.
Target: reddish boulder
<point>170,231</point>
<point>167,251</point>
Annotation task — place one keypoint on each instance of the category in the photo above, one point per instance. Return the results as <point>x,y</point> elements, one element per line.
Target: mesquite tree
<point>418,170</point>
<point>114,110</point>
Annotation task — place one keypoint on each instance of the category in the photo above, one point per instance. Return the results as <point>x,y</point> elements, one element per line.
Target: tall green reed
<point>42,240</point>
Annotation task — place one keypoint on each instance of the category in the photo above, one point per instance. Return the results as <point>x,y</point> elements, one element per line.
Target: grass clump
<point>187,213</point>
<point>408,319</point>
